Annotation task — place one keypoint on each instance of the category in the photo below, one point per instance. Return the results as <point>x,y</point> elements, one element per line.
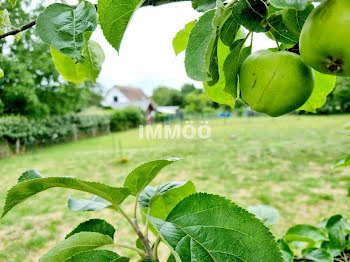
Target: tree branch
<point>33,23</point>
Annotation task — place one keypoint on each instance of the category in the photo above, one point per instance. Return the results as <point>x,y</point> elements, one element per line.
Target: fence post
<point>18,146</point>
<point>93,131</point>
<point>108,129</point>
<point>75,133</point>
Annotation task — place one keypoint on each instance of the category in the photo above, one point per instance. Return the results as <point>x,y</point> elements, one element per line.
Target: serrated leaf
<point>4,18</point>
<point>229,30</point>
<point>75,244</point>
<point>251,14</point>
<point>1,73</point>
<point>181,39</point>
<point>95,203</point>
<point>146,195</point>
<point>294,20</point>
<point>266,214</point>
<point>311,235</point>
<point>297,4</point>
<point>336,227</point>
<point>200,48</point>
<point>203,5</point>
<point>94,256</point>
<point>24,190</point>
<point>29,175</point>
<point>324,85</point>
<point>279,31</point>
<point>317,255</point>
<point>141,176</point>
<point>216,92</point>
<point>165,197</point>
<point>63,27</point>
<point>114,17</point>
<point>77,73</point>
<point>205,227</point>
<point>231,67</point>
<point>287,253</point>
<point>94,225</point>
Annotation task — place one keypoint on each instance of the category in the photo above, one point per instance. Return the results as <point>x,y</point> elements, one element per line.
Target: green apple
<point>325,38</point>
<point>275,83</point>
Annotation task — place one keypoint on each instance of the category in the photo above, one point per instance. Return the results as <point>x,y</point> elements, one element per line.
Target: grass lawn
<point>284,162</point>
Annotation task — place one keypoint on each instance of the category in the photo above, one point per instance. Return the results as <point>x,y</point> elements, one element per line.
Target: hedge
<point>48,129</point>
<point>58,129</point>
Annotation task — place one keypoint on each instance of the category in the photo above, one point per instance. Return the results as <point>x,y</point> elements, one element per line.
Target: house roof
<point>133,94</point>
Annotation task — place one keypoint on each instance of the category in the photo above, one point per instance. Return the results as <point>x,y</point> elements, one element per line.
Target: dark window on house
<point>115,99</point>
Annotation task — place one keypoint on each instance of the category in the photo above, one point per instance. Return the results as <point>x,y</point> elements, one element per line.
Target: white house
<point>120,97</point>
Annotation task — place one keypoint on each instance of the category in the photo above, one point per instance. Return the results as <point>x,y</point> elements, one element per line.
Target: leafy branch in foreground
<point>178,216</point>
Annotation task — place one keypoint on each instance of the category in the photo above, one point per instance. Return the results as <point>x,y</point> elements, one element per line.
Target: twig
<point>33,23</point>
<point>155,248</point>
<point>137,230</point>
<point>18,30</point>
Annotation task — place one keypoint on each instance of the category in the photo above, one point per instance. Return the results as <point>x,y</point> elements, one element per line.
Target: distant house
<point>120,97</point>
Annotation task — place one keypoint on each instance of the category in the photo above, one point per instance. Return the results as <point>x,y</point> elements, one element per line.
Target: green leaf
<point>324,85</point>
<point>75,244</point>
<point>294,20</point>
<point>318,255</point>
<point>279,31</point>
<point>114,17</point>
<point>200,47</point>
<point>1,73</point>
<point>121,259</point>
<point>94,225</point>
<point>336,227</point>
<point>63,27</point>
<point>95,203</point>
<point>205,227</point>
<point>296,4</point>
<point>24,190</point>
<point>287,253</point>
<point>251,14</point>
<point>342,162</point>
<point>266,214</point>
<point>18,36</point>
<point>146,195</point>
<point>13,2</point>
<point>181,39</point>
<point>94,256</point>
<point>307,234</point>
<point>77,73</point>
<point>140,177</point>
<point>29,175</point>
<point>216,92</point>
<point>203,5</point>
<point>231,68</point>
<point>4,18</point>
<point>166,197</point>
<point>229,31</point>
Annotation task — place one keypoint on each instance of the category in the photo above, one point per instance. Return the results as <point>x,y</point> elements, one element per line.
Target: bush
<point>127,118</point>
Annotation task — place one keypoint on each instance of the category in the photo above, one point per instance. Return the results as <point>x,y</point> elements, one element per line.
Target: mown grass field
<point>284,162</point>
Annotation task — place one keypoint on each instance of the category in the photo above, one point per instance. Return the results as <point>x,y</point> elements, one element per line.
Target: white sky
<point>147,59</point>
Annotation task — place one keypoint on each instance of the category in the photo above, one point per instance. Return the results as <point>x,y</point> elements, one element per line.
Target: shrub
<point>127,118</point>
